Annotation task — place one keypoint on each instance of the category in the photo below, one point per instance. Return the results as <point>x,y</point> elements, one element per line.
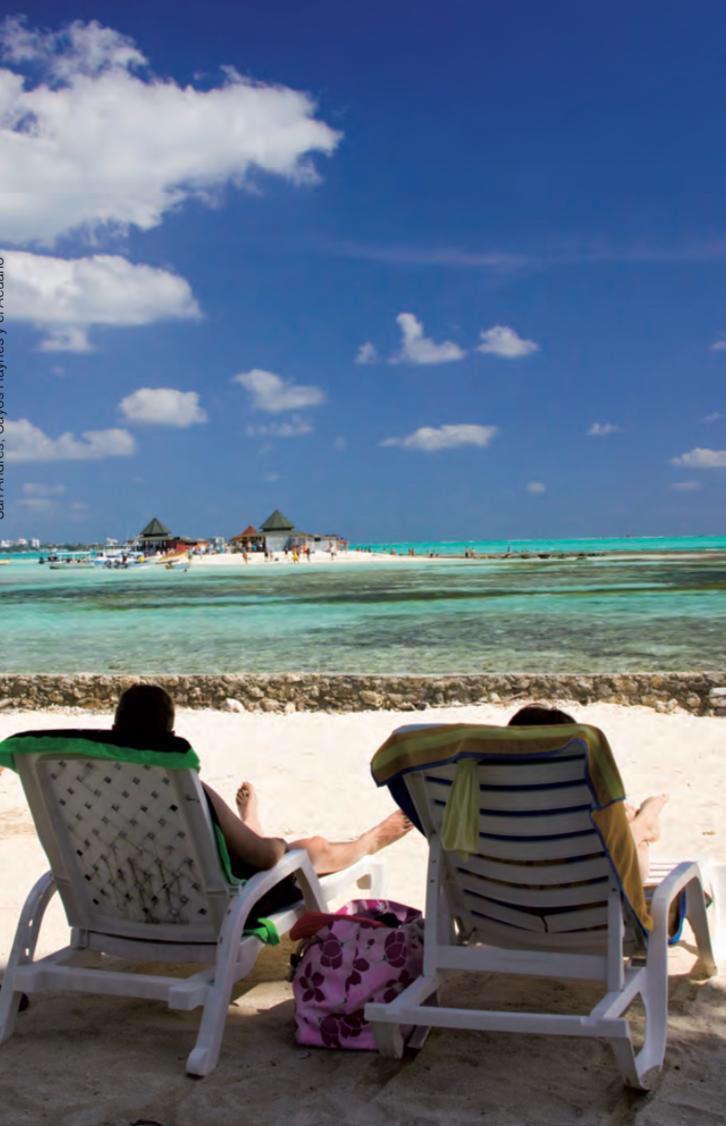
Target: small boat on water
<point>176,561</point>
<point>69,560</point>
<point>127,560</point>
<point>120,561</point>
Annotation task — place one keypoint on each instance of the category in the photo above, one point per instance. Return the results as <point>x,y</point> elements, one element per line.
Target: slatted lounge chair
<point>532,870</point>
<point>134,858</point>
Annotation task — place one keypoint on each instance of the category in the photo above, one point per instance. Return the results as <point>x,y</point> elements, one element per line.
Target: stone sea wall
<point>702,693</point>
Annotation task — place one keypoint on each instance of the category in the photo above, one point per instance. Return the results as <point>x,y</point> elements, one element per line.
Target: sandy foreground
<point>86,1061</point>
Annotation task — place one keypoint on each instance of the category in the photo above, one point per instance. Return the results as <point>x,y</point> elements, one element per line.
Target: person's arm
<point>244,845</point>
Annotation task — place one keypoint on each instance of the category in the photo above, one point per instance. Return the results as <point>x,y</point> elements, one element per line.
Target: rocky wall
<point>702,693</point>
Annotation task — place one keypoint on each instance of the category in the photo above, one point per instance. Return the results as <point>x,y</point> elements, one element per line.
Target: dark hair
<point>539,715</point>
<point>144,709</point>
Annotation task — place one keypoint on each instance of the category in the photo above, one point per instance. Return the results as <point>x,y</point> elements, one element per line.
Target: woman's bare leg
<point>645,827</point>
<point>330,856</point>
<point>248,807</point>
<point>246,845</point>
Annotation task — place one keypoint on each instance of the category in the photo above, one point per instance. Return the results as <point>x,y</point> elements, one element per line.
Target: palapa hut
<point>249,540</point>
<point>156,537</point>
<point>277,530</point>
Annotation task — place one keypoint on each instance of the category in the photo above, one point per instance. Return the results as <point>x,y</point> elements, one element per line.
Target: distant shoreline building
<point>248,540</point>
<point>156,538</point>
<point>278,533</point>
<point>277,530</point>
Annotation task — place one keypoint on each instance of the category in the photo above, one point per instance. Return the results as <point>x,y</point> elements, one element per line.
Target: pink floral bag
<point>369,950</point>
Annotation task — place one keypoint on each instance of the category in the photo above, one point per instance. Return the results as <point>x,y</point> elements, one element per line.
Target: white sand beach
<point>91,1061</point>
<point>316,559</point>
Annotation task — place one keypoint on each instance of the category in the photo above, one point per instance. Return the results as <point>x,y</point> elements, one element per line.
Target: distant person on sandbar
<point>644,821</point>
<point>147,710</point>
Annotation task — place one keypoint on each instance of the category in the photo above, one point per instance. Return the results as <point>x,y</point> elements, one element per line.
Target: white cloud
<point>508,262</point>
<point>41,498</point>
<point>37,504</point>
<point>340,443</point>
<point>536,487</point>
<point>701,459</point>
<point>433,438</point>
<point>96,143</point>
<point>66,296</point>
<point>82,48</point>
<point>687,486</point>
<point>66,340</point>
<point>367,354</point>
<point>270,477</point>
<point>163,406</point>
<point>503,341</point>
<point>419,349</point>
<point>26,442</point>
<point>271,393</point>
<point>719,345</point>
<point>295,428</point>
<point>716,416</point>
<point>602,429</point>
<point>34,490</point>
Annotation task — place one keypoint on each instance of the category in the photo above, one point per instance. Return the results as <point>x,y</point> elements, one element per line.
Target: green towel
<point>460,827</point>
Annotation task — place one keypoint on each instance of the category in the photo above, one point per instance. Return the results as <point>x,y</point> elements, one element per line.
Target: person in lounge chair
<point>147,710</point>
<point>644,821</point>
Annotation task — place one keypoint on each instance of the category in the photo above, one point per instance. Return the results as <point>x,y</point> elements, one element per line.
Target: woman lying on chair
<point>644,821</point>
<point>148,710</point>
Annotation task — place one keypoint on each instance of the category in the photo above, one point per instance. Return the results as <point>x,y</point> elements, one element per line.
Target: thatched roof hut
<point>250,533</point>
<point>155,529</point>
<point>277,522</point>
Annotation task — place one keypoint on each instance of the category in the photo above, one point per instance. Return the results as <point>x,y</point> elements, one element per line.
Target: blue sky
<point>403,270</point>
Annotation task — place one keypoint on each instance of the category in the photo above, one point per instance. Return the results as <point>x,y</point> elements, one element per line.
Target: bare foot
<point>248,807</point>
<point>646,820</point>
<point>395,826</point>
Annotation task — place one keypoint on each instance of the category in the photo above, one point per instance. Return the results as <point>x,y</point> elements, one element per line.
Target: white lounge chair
<point>133,857</point>
<point>539,895</point>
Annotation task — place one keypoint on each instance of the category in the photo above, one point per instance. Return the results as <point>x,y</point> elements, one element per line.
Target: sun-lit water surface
<point>572,614</point>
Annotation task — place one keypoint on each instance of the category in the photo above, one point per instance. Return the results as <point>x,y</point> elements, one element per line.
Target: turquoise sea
<point>630,544</point>
<point>562,613</point>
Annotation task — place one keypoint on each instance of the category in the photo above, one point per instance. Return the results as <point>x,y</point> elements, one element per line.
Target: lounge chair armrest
<point>294,862</point>
<point>669,888</point>
<point>368,866</point>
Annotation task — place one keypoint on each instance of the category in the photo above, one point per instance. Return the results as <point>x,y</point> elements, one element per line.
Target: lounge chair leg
<point>26,939</point>
<point>625,1059</point>
<point>230,965</point>
<point>707,938</point>
<point>418,1037</point>
<point>655,1002</point>
<point>9,1008</point>
<point>204,1055</point>
<point>389,1039</point>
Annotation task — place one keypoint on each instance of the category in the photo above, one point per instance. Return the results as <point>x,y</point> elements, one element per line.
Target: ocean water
<point>630,544</point>
<point>564,614</point>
